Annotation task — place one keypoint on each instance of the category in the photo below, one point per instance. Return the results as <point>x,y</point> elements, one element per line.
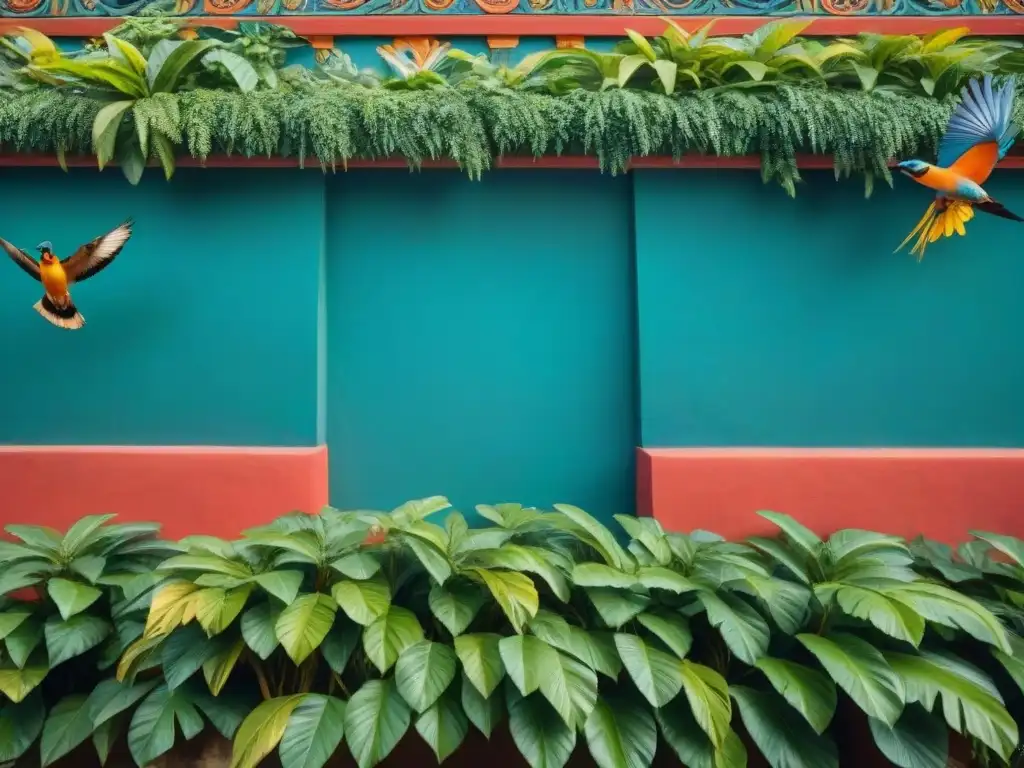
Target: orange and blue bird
<point>980,133</point>
<point>57,274</point>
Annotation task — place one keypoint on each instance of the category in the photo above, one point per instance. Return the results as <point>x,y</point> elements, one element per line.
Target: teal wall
<point>515,338</point>
<point>770,321</point>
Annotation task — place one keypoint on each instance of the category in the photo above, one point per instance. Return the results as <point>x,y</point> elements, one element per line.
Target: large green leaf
<point>656,674</point>
<point>431,558</point>
<point>304,624</point>
<point>782,736</point>
<point>112,697</point>
<point>68,639</point>
<point>601,575</point>
<point>917,740</point>
<point>217,608</point>
<point>375,721</point>
<point>389,635</point>
<point>152,730</point>
<point>217,669</point>
<point>183,654</point>
<point>542,562</point>
<point>708,695</point>
<point>970,702</point>
<point>169,64</point>
<point>455,606</point>
<point>11,620</point>
<point>78,535</point>
<point>17,684</point>
<point>443,726</point>
<point>284,585</point>
<point>20,726</point>
<point>742,628</point>
<point>799,536</point>
<point>314,732</point>
<point>1008,545</point>
<point>242,72</point>
<point>541,736</point>
<point>418,509</point>
<point>514,592</point>
<point>621,733</point>
<point>859,669</point>
<point>892,617</point>
<point>599,537</point>
<point>481,660</point>
<point>808,691</point>
<point>357,565</point>
<point>226,711</point>
<point>67,726</point>
<point>423,672</point>
<point>528,660</point>
<point>616,607</point>
<point>951,609</point>
<point>23,641</point>
<point>648,532</point>
<point>261,731</point>
<point>337,647</point>
<point>104,736</point>
<point>71,597</point>
<point>363,601</point>
<point>484,713</point>
<point>671,628</point>
<point>259,629</point>
<point>688,740</point>
<point>788,604</point>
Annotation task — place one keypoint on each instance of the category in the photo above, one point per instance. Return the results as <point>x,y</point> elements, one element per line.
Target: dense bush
<point>357,626</point>
<point>141,95</point>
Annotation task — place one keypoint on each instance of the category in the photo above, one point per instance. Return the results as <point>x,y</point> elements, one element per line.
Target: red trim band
<point>940,493</point>
<point>189,490</point>
<point>540,25</point>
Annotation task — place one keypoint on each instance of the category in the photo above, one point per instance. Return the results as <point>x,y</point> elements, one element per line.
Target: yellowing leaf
<point>261,731</point>
<point>169,608</point>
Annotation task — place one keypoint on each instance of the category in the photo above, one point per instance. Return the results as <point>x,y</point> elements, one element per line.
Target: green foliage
<point>356,628</point>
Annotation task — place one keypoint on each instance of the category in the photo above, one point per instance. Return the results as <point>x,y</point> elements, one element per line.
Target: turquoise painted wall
<point>770,321</point>
<point>203,331</point>
<point>480,339</point>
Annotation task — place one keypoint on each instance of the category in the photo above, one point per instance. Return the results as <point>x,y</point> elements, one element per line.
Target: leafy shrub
<point>355,626</point>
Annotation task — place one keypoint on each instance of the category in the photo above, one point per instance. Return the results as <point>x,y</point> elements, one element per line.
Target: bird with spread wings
<point>57,274</point>
<point>980,133</point>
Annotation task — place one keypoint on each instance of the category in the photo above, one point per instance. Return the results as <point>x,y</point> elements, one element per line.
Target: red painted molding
<point>940,493</point>
<point>692,162</point>
<point>189,490</point>
<point>527,24</point>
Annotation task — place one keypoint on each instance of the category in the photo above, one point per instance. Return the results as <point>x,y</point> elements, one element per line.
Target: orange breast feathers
<point>939,179</point>
<point>54,279</point>
<point>977,162</point>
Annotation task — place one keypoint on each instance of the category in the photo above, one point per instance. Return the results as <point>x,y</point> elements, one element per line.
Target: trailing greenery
<point>356,627</point>
<point>773,94</point>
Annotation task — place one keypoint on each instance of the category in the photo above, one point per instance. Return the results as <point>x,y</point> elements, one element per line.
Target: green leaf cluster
<point>350,629</point>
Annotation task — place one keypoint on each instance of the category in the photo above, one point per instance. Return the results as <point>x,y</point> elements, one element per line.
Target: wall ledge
<point>941,493</point>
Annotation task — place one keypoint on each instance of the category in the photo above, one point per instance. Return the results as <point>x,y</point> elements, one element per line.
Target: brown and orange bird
<point>57,274</point>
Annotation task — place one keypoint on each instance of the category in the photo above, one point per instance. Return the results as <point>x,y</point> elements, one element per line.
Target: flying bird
<point>57,275</point>
<point>979,135</point>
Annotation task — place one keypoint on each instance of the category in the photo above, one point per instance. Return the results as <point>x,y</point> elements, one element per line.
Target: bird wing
<point>939,222</point>
<point>22,259</point>
<point>981,130</point>
<point>96,254</point>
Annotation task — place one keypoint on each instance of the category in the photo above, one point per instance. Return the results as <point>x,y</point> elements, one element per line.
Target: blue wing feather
<point>983,115</point>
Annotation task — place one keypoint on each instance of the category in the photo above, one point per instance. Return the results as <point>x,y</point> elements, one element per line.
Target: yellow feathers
<point>939,222</point>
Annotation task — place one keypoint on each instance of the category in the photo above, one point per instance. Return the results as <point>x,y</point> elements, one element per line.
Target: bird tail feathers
<point>998,209</point>
<point>66,316</point>
<point>943,220</point>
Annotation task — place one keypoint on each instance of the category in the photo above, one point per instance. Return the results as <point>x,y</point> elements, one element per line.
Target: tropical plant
<point>415,63</point>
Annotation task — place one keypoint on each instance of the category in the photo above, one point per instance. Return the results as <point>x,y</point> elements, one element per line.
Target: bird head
<point>913,168</point>
<point>45,249</point>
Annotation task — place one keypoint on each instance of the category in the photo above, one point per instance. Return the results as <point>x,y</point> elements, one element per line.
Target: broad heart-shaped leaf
<point>68,639</point>
<point>358,565</point>
<point>337,647</point>
<point>258,629</point>
<point>615,606</point>
<point>71,597</point>
<point>218,667</point>
<point>304,624</point>
<point>314,732</point>
<point>455,606</point>
<point>571,690</point>
<point>22,641</point>
<point>541,736</point>
<point>781,735</point>
<point>708,694</point>
<point>17,684</point>
<point>20,725</point>
<point>423,672</point>
<point>621,733</point>
<point>363,601</point>
<point>389,635</point>
<point>970,702</point>
<point>104,736</point>
<point>261,731</point>
<point>184,653</point>
<point>226,711</point>
<point>11,620</point>
<point>528,660</point>
<point>431,558</point>
<point>671,628</point>
<point>742,628</point>
<point>918,740</point>
<point>443,726</point>
<point>481,660</point>
<point>376,719</point>
<point>808,691</point>
<point>67,726</point>
<point>284,585</point>
<point>692,745</point>
<point>484,713</point>
<point>152,729</point>
<point>859,669</point>
<point>788,604</point>
<point>514,592</point>
<point>217,608</point>
<point>656,674</point>
<point>110,698</point>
